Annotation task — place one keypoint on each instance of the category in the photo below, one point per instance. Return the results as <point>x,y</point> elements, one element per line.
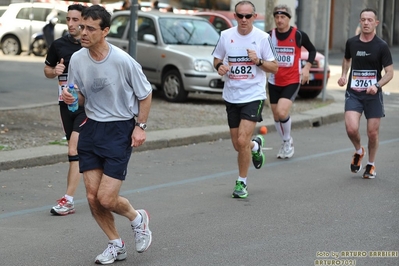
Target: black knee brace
<point>73,158</point>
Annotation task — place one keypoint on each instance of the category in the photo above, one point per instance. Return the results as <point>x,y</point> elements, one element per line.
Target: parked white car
<point>2,10</point>
<point>174,50</point>
<point>21,20</point>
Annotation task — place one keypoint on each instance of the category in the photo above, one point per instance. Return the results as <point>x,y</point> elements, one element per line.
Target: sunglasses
<point>241,16</point>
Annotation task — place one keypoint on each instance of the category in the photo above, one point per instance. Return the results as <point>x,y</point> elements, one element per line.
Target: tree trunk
<point>269,19</point>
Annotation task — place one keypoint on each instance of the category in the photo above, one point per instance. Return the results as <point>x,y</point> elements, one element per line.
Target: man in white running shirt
<point>243,55</point>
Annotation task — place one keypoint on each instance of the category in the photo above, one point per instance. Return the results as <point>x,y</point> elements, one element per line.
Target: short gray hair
<point>279,7</point>
<point>243,3</point>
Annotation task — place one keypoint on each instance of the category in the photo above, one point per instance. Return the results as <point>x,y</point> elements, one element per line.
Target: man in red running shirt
<point>284,85</point>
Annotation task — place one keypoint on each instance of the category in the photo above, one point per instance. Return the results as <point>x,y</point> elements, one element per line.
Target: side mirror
<point>150,38</point>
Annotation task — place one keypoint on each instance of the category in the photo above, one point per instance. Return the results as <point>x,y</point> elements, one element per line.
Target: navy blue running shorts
<point>251,111</point>
<point>107,146</point>
<point>371,105</point>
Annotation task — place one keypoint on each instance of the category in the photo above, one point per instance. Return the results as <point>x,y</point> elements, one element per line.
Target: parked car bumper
<point>316,80</point>
<point>204,82</point>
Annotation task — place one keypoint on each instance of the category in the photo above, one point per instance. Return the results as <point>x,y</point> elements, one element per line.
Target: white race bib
<point>62,83</point>
<point>241,68</point>
<point>286,56</point>
<point>362,79</point>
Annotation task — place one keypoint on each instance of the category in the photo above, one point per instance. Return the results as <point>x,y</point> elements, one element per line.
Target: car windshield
<point>187,31</point>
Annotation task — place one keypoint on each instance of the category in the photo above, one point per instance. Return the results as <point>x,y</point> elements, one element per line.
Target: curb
<point>52,154</point>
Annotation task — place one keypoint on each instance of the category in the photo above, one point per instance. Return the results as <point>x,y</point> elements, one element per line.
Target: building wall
<point>309,20</point>
<point>344,20</point>
<point>343,24</point>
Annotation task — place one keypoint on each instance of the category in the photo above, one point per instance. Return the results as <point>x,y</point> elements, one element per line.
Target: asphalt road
<point>23,82</point>
<point>298,211</point>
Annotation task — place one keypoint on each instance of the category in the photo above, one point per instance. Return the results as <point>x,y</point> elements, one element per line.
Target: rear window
<point>39,14</point>
<point>42,14</point>
<point>62,17</point>
<point>118,26</point>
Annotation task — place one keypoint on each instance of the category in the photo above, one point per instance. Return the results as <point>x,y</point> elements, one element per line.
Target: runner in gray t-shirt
<point>114,92</point>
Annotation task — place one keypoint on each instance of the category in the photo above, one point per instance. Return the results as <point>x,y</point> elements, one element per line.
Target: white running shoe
<point>111,254</point>
<point>281,154</point>
<point>289,148</point>
<point>142,233</point>
<point>64,207</point>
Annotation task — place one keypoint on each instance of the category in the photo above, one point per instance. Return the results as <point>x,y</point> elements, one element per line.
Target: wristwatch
<point>260,62</point>
<point>378,86</point>
<point>143,126</point>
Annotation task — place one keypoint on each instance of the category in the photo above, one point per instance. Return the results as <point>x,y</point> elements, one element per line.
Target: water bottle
<point>75,105</point>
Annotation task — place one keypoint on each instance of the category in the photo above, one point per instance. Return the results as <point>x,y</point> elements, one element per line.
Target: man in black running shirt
<point>365,55</point>
<point>57,62</point>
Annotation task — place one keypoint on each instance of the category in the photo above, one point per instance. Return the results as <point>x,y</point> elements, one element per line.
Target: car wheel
<point>39,47</point>
<point>309,94</point>
<point>172,87</point>
<point>11,46</point>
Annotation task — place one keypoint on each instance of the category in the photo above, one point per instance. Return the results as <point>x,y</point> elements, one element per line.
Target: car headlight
<point>201,65</point>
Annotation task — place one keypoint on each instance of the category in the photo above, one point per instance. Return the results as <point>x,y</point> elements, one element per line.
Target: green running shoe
<point>258,158</point>
<point>240,190</point>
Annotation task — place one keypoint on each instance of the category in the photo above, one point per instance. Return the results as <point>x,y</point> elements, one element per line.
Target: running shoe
<point>240,190</point>
<point>281,154</point>
<point>356,164</point>
<point>111,254</point>
<point>142,233</point>
<point>258,158</point>
<point>64,207</point>
<point>289,148</point>
<point>370,172</point>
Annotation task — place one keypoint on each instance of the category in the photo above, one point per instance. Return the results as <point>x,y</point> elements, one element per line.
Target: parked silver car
<point>174,50</point>
<point>21,20</point>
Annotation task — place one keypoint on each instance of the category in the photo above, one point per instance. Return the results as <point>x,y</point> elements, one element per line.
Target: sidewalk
<point>334,112</point>
<point>51,154</point>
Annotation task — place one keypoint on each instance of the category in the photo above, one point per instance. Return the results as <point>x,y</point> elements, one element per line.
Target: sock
<point>256,146</point>
<point>286,126</point>
<point>243,179</point>
<point>117,242</point>
<point>69,198</point>
<point>137,221</point>
<point>359,151</point>
<point>370,163</point>
<point>279,130</point>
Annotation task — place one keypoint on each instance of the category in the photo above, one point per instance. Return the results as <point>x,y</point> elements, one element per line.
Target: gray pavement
<point>299,211</point>
<point>306,210</point>
<point>51,154</point>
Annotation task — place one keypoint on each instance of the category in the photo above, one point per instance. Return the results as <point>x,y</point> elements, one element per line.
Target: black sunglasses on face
<point>241,16</point>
